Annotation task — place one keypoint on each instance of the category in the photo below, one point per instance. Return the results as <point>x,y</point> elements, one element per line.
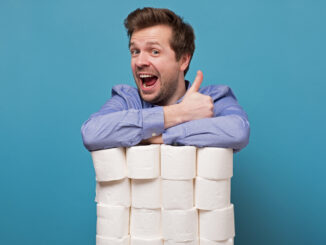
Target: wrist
<point>173,115</point>
<point>155,140</point>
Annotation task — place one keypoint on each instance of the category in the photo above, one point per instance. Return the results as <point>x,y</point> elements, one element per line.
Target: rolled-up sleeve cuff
<point>153,122</point>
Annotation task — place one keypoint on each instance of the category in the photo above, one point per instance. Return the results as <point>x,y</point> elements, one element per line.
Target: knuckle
<point>209,99</point>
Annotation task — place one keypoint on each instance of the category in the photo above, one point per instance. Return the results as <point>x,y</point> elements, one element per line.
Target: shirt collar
<point>188,85</point>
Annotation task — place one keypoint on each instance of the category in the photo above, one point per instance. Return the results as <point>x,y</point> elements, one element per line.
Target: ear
<point>184,62</point>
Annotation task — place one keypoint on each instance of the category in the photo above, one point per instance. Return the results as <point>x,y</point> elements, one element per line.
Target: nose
<point>142,60</point>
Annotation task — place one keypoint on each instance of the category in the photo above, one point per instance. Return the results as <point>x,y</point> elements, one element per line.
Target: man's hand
<point>193,106</point>
<point>154,140</point>
<point>196,105</point>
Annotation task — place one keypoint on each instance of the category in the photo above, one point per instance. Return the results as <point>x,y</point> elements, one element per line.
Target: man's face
<point>158,75</point>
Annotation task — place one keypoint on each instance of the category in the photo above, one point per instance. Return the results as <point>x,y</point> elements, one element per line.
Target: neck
<point>179,92</point>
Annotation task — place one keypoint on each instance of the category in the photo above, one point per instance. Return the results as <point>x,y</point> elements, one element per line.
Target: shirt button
<point>153,134</point>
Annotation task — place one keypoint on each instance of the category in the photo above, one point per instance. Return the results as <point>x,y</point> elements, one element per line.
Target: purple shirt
<point>125,120</point>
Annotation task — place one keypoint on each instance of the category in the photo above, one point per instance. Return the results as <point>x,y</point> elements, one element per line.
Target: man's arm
<point>227,127</point>
<point>230,131</point>
<point>122,122</point>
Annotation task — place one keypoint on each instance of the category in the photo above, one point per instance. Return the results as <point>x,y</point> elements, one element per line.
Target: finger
<point>198,80</point>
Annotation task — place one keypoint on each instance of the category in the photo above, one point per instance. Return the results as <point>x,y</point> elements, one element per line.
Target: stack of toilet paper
<point>112,197</point>
<point>143,164</point>
<point>160,194</point>
<point>179,216</point>
<point>213,193</point>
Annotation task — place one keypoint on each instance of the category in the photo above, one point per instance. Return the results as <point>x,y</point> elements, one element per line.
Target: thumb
<point>198,80</point>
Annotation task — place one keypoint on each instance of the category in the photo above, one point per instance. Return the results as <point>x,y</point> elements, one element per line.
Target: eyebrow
<point>147,43</point>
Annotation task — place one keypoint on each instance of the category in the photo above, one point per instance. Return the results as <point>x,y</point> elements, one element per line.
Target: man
<point>165,109</point>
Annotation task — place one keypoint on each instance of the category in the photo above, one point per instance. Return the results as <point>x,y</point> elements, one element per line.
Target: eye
<point>155,52</point>
<point>134,52</point>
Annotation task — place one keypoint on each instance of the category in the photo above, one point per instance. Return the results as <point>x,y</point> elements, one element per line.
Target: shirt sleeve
<point>121,122</point>
<point>229,128</point>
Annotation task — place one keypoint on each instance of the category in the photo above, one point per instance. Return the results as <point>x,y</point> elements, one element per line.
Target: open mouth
<point>148,80</point>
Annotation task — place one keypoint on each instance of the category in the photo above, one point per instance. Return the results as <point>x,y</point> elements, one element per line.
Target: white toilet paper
<point>212,194</point>
<point>109,164</point>
<point>145,223</point>
<point>177,194</point>
<point>141,241</point>
<point>215,163</point>
<point>217,225</point>
<point>113,193</point>
<point>180,225</point>
<point>178,162</point>
<point>100,240</point>
<point>112,221</point>
<point>204,241</point>
<point>143,162</point>
<point>146,193</point>
<point>172,242</point>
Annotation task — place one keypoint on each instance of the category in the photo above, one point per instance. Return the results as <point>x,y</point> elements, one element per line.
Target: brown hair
<point>183,36</point>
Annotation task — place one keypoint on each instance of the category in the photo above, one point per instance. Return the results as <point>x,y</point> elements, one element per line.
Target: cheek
<point>170,69</point>
<point>133,63</point>
<point>162,66</point>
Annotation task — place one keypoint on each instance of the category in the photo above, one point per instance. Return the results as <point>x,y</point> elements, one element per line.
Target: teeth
<point>145,75</point>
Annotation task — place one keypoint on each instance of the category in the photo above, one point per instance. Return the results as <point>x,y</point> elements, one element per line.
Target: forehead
<point>159,34</point>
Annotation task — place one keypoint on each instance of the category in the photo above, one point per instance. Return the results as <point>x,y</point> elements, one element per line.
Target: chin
<point>149,98</point>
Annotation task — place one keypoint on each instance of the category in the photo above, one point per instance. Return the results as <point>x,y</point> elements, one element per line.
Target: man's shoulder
<point>216,91</point>
<point>129,95</point>
<point>124,89</point>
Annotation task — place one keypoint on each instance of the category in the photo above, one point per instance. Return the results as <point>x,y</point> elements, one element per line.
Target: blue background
<point>59,60</point>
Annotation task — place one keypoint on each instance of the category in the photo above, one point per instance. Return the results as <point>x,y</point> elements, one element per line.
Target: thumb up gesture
<point>196,105</point>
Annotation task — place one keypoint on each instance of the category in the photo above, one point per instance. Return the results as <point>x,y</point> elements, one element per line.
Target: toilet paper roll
<point>178,162</point>
<point>100,240</point>
<point>215,163</point>
<point>217,225</point>
<point>113,193</point>
<point>145,223</point>
<point>112,221</point>
<point>109,164</point>
<point>143,162</point>
<point>177,194</point>
<point>146,193</point>
<point>212,194</point>
<point>204,241</point>
<point>180,225</point>
<point>142,241</point>
<point>172,242</point>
